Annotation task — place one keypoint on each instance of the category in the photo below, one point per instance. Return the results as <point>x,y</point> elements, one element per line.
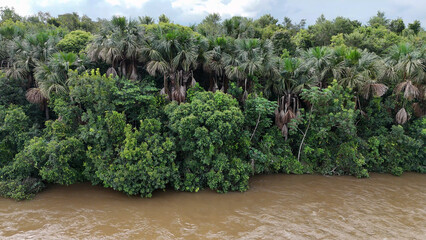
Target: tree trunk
<point>46,111</point>
<point>166,86</point>
<point>226,84</point>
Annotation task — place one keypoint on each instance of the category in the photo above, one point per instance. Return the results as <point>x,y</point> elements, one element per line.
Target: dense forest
<point>139,105</point>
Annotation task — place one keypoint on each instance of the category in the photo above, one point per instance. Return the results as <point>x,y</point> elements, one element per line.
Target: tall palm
<point>317,63</point>
<point>270,62</point>
<point>247,62</point>
<point>51,77</point>
<point>174,55</point>
<point>25,52</point>
<point>360,70</point>
<point>215,61</point>
<point>119,44</point>
<point>286,88</point>
<point>405,68</point>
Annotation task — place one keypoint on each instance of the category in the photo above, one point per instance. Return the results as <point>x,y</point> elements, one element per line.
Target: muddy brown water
<point>275,207</point>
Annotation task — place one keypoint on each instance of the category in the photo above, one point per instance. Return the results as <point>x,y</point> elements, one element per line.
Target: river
<point>275,207</point>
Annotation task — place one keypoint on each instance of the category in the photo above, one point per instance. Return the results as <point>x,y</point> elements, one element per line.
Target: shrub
<point>211,142</point>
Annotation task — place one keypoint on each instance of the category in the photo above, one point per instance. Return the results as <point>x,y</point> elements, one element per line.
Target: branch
<point>257,124</point>
<point>304,135</point>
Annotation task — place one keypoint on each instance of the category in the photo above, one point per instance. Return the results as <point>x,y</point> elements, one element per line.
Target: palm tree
<point>174,55</point>
<point>216,59</point>
<point>247,62</point>
<point>270,62</point>
<point>119,44</point>
<point>35,96</point>
<point>405,68</point>
<point>317,63</point>
<point>286,88</point>
<point>25,52</point>
<point>52,77</point>
<point>360,70</point>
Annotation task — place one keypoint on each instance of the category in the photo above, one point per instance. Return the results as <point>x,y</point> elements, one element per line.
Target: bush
<point>134,161</point>
<point>273,155</point>
<point>331,122</point>
<point>74,41</point>
<point>21,189</point>
<point>15,130</point>
<point>145,163</point>
<point>211,142</point>
<point>396,152</point>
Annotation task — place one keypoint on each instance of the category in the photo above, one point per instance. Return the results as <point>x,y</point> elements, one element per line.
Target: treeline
<point>141,105</point>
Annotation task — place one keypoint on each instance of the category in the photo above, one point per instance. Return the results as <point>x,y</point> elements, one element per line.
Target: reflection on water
<point>276,207</point>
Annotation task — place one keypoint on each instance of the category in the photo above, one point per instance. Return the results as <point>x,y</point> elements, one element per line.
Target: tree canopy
<point>141,105</point>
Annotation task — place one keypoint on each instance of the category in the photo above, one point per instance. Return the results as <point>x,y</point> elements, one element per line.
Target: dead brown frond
<point>288,116</point>
<point>34,95</point>
<point>284,131</point>
<point>193,82</point>
<point>111,72</point>
<point>245,96</point>
<point>376,89</point>
<point>277,117</point>
<point>281,118</point>
<point>401,116</point>
<point>182,95</point>
<point>410,91</point>
<point>134,74</point>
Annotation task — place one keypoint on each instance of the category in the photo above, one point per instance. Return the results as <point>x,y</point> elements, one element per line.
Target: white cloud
<point>128,3</point>
<point>45,3</point>
<point>22,7</point>
<point>246,8</point>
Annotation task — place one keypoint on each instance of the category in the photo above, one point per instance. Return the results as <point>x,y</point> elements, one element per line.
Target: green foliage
<point>376,120</point>
<point>375,39</point>
<point>332,131</point>
<point>7,13</point>
<point>15,130</point>
<point>258,113</point>
<point>103,134</point>
<point>324,29</point>
<point>21,189</point>
<point>282,41</point>
<point>397,152</point>
<point>56,161</point>
<point>303,39</point>
<point>211,142</point>
<point>269,152</point>
<point>210,26</point>
<point>192,91</point>
<point>163,19</point>
<point>11,91</point>
<point>272,154</point>
<point>350,160</point>
<point>415,26</point>
<point>397,25</point>
<point>108,122</point>
<point>72,21</point>
<point>142,163</point>
<point>74,41</point>
<point>134,98</point>
<point>379,20</point>
<point>93,91</point>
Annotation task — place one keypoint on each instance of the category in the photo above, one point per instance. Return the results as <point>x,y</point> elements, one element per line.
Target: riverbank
<point>275,207</point>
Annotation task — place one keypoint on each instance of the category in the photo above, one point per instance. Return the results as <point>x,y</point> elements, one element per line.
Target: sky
<point>193,11</point>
